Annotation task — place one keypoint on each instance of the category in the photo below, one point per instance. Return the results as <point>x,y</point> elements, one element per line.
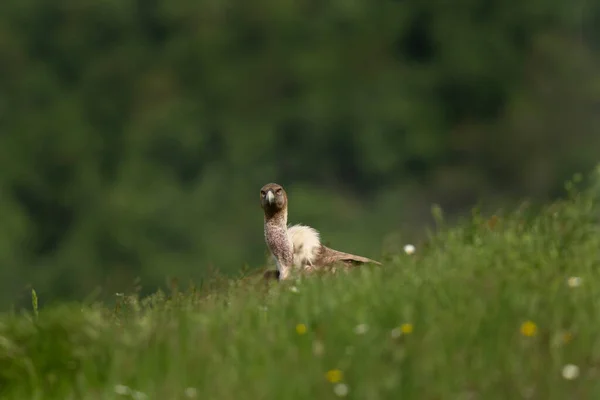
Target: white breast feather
<point>306,243</point>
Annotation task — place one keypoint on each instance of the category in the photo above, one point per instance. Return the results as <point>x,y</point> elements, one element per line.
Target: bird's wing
<point>328,256</point>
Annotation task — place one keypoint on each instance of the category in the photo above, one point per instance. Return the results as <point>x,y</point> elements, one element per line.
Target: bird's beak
<point>270,197</point>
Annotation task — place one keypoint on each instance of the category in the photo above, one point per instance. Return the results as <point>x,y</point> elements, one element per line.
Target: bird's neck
<point>278,218</point>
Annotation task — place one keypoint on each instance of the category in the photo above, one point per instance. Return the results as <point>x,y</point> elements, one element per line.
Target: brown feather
<point>328,256</point>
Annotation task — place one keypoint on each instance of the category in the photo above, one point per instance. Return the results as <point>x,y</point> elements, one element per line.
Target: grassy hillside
<point>497,308</point>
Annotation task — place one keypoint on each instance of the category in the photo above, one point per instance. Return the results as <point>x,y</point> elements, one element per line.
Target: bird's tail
<point>330,256</point>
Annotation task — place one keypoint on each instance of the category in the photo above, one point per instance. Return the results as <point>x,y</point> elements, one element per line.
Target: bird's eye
<point>262,193</point>
<point>278,191</point>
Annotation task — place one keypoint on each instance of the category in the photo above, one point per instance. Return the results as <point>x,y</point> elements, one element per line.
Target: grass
<point>482,310</point>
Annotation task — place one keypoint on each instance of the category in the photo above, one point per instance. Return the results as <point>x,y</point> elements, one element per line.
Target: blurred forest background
<point>135,134</point>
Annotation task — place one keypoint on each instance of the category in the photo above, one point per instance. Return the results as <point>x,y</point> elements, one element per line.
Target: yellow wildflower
<point>334,375</point>
<point>406,328</point>
<point>300,329</point>
<point>403,329</point>
<point>528,328</point>
<point>567,337</point>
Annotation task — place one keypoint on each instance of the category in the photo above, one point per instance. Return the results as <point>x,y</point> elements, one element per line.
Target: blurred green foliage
<point>134,135</point>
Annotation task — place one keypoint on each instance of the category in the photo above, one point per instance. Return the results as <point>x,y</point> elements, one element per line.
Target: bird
<point>296,247</point>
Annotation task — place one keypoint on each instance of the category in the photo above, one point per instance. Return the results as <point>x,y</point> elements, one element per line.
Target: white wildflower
<point>294,289</point>
<point>574,281</point>
<point>570,371</point>
<point>191,392</point>
<point>361,329</point>
<point>318,348</point>
<point>139,395</point>
<point>409,249</point>
<point>122,390</point>
<point>341,389</point>
<point>396,333</point>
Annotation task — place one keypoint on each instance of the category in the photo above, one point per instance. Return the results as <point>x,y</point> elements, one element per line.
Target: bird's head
<point>273,198</point>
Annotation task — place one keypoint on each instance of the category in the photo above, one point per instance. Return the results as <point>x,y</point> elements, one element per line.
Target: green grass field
<point>500,307</point>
